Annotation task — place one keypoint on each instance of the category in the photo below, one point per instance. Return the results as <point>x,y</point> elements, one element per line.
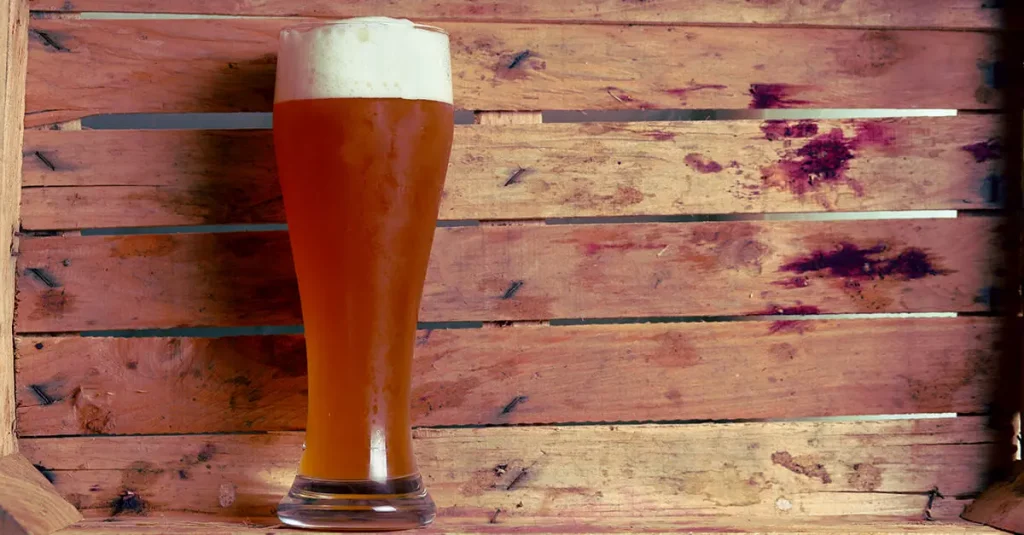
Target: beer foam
<point>368,57</point>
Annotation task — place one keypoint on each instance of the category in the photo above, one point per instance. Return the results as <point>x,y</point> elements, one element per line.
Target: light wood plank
<point>1001,505</point>
<point>876,13</point>
<point>69,283</point>
<point>87,67</point>
<point>94,179</point>
<point>859,525</point>
<point>29,505</point>
<point>13,49</point>
<point>529,374</point>
<point>786,471</point>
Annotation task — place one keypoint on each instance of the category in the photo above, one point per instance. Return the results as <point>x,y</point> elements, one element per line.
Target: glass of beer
<point>363,124</point>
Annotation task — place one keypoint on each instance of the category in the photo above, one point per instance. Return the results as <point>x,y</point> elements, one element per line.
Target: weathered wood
<point>94,179</point>
<point>69,284</point>
<point>85,67</point>
<point>874,13</point>
<point>514,375</point>
<point>859,525</point>
<point>1001,504</point>
<point>13,49</point>
<point>657,472</point>
<point>29,505</point>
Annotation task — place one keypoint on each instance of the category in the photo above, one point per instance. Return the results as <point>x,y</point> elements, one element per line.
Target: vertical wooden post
<point>28,502</point>
<point>14,20</point>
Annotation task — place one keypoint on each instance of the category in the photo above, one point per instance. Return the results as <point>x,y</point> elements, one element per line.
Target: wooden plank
<point>637,472</point>
<point>876,13</point>
<point>1001,505</point>
<point>527,374</point>
<point>13,49</point>
<point>84,67</point>
<point>860,525</point>
<point>75,283</point>
<point>29,505</point>
<point>94,179</point>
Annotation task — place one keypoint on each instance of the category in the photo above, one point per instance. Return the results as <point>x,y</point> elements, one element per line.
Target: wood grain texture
<point>69,283</point>
<point>94,179</point>
<point>29,505</point>
<point>531,474</point>
<point>1001,505</point>
<point>84,67</point>
<point>859,525</point>
<point>13,49</point>
<point>876,13</point>
<point>524,374</point>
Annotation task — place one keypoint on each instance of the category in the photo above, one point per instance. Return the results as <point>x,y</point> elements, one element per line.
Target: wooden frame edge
<point>14,43</point>
<point>29,503</point>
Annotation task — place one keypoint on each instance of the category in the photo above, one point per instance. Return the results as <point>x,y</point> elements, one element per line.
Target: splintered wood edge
<point>28,502</point>
<point>14,15</point>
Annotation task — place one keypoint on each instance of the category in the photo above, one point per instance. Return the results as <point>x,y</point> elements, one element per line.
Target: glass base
<point>395,504</point>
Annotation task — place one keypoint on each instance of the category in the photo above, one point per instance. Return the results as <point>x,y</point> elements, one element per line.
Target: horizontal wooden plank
<point>83,67</point>
<point>94,179</point>
<point>876,13</point>
<point>74,283</point>
<point>657,472</point>
<point>759,369</point>
<point>860,525</point>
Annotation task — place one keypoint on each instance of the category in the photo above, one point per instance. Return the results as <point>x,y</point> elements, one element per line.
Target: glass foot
<point>395,504</point>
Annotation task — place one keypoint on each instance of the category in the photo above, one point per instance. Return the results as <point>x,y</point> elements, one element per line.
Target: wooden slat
<point>858,525</point>
<point>29,505</point>
<point>79,283</point>
<point>94,179</point>
<point>659,472</point>
<point>759,369</point>
<point>877,13</point>
<point>13,50</point>
<point>81,67</point>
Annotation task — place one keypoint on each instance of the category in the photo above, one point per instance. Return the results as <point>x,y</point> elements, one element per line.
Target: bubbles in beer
<point>369,57</point>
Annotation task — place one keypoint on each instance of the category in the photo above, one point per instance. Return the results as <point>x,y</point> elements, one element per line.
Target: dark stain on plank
<point>850,261</point>
<point>764,96</point>
<point>803,465</point>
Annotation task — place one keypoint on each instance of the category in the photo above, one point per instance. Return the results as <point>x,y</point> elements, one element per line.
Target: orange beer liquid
<point>362,180</point>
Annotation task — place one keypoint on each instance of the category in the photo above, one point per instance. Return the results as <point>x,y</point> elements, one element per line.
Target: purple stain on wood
<point>129,502</point>
<point>822,160</point>
<point>776,130</point>
<point>984,151</point>
<point>701,164</point>
<point>766,96</point>
<point>852,262</point>
<point>873,133</point>
<point>793,283</point>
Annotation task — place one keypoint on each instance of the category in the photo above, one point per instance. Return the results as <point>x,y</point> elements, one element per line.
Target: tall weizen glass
<point>363,123</point>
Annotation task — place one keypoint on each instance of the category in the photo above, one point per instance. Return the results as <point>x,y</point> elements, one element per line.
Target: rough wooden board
<point>29,505</point>
<point>759,369</point>
<point>876,13</point>
<point>70,284</point>
<point>13,49</point>
<point>96,66</point>
<point>1001,505</point>
<point>92,179</point>
<point>631,473</point>
<point>255,526</point>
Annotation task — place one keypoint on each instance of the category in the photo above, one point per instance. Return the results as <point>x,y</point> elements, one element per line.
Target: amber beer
<point>363,124</point>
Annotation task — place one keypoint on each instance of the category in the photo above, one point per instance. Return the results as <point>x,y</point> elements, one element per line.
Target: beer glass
<point>363,123</point>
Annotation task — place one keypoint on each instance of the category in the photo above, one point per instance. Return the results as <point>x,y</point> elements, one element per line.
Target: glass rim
<point>357,21</point>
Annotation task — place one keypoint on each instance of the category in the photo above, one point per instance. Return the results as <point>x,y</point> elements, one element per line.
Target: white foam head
<point>369,57</point>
